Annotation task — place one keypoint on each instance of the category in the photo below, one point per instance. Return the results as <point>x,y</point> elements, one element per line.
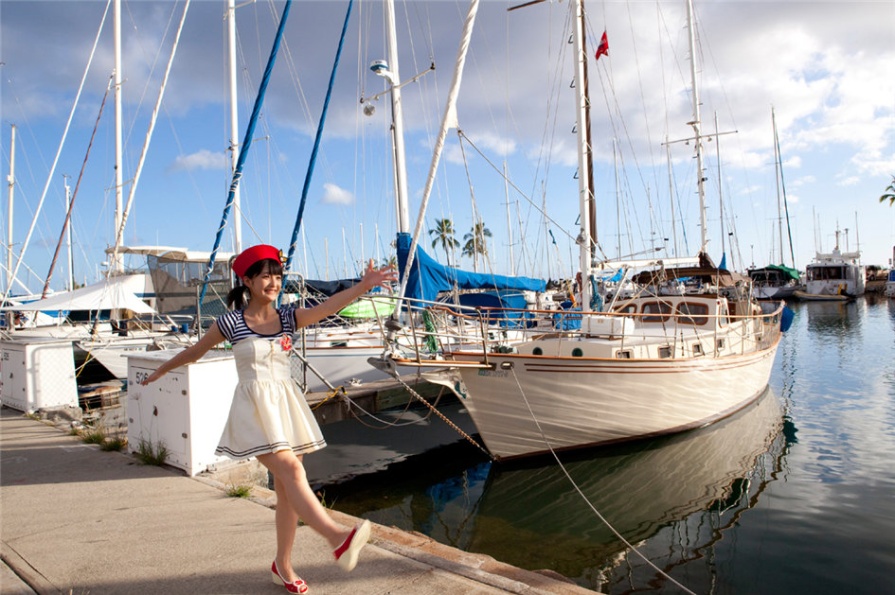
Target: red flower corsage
<point>286,342</point>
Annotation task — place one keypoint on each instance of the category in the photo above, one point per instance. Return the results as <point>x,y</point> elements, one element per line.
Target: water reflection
<point>673,498</point>
<point>839,320</point>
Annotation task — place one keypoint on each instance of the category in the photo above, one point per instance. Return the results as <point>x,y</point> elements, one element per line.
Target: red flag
<point>603,48</point>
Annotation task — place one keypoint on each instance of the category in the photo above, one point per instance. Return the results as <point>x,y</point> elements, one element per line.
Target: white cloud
<point>203,159</point>
<point>333,195</point>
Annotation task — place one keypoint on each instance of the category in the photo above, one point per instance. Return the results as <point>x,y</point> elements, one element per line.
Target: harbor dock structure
<point>77,519</point>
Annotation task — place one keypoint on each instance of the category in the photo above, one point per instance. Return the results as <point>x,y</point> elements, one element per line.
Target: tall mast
<point>720,193</point>
<point>392,74</point>
<point>115,265</point>
<point>777,177</point>
<point>585,193</point>
<point>68,246</point>
<point>234,123</point>
<point>700,176</point>
<point>11,184</point>
<point>618,198</point>
<point>671,197</point>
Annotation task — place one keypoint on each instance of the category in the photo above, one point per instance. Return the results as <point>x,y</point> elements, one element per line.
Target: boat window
<point>537,351</point>
<point>720,344</point>
<point>722,315</point>
<point>660,310</point>
<point>697,349</point>
<point>623,354</point>
<point>692,313</point>
<point>626,309</point>
<point>665,352</point>
<point>577,352</point>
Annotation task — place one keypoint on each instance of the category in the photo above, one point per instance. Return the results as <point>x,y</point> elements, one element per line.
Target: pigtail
<point>238,298</point>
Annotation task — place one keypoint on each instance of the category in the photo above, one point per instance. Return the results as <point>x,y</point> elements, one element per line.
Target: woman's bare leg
<point>290,477</point>
<point>287,524</point>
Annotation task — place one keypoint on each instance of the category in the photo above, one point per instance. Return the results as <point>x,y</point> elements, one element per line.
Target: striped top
<point>234,327</point>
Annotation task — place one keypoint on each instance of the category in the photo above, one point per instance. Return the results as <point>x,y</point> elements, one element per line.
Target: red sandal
<point>296,586</point>
<point>348,553</point>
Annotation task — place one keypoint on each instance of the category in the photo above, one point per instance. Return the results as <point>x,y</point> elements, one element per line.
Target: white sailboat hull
<point>561,403</point>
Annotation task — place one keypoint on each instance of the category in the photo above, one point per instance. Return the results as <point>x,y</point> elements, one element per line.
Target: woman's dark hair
<point>238,298</point>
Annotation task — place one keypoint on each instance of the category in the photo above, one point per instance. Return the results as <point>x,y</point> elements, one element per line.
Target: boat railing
<point>441,329</point>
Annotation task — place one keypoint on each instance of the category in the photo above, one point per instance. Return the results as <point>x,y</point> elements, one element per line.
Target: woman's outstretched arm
<point>212,337</point>
<point>372,277</point>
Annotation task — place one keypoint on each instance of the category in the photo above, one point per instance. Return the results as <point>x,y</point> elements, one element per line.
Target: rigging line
<point>119,234</point>
<point>583,496</point>
<point>153,62</point>
<point>514,187</point>
<point>71,203</point>
<point>244,148</point>
<point>478,225</point>
<point>613,108</point>
<point>643,103</point>
<point>71,115</point>
<point>314,151</point>
<point>792,253</point>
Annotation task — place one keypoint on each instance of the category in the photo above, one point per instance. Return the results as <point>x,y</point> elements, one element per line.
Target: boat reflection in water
<point>672,498</point>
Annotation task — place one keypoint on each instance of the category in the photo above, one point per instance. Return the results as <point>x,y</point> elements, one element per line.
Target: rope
<point>443,418</point>
<point>390,424</point>
<point>331,394</point>
<point>584,497</point>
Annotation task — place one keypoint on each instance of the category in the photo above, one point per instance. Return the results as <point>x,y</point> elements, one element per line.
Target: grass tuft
<point>239,491</point>
<point>151,454</point>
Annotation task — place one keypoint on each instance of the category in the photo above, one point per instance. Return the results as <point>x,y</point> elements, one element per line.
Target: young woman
<point>269,418</point>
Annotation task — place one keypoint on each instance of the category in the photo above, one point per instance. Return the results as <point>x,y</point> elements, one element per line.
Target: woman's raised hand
<point>374,277</point>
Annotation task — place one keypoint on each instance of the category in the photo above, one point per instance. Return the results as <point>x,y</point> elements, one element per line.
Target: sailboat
<point>645,366</point>
<point>777,281</point>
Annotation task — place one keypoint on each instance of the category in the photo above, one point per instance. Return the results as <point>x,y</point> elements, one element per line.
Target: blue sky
<point>827,68</point>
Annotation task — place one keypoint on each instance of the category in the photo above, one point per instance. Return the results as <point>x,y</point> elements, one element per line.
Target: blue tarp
<point>436,277</point>
<point>509,305</point>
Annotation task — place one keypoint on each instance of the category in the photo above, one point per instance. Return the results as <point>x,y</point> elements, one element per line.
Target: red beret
<point>250,256</point>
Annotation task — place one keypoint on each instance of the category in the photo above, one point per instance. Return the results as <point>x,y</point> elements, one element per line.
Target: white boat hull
<point>569,403</point>
<point>343,366</point>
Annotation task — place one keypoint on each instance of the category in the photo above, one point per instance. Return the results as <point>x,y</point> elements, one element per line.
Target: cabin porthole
<point>577,352</point>
<point>537,351</point>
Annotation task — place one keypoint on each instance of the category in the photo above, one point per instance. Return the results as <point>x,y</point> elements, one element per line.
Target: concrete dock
<point>77,520</point>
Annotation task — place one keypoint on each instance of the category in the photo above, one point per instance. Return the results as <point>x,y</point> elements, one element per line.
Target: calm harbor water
<point>794,494</point>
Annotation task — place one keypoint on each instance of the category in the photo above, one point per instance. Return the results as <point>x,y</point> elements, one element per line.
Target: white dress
<point>269,412</point>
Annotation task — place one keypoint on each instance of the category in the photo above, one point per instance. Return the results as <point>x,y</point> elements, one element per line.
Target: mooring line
<point>443,418</point>
<point>584,497</point>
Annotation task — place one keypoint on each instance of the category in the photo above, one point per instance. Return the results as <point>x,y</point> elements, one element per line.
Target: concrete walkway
<point>79,520</point>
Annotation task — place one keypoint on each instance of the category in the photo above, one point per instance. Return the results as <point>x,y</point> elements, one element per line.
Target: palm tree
<point>476,243</point>
<point>889,194</point>
<point>391,261</point>
<point>444,236</point>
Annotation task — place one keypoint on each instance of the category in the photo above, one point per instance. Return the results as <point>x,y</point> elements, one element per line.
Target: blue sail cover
<point>428,277</point>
